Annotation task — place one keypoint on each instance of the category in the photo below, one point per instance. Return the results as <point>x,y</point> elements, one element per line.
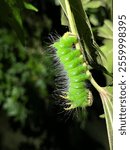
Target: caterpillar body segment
<point>76,70</point>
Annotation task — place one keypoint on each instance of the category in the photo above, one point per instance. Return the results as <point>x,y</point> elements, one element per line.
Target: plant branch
<point>108,109</point>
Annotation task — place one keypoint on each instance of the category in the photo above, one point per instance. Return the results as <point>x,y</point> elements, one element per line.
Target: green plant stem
<point>108,109</point>
<point>71,21</point>
<point>70,18</point>
<point>97,87</point>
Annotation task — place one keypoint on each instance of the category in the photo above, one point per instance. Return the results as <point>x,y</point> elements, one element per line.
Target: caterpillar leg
<point>65,97</point>
<point>90,98</point>
<point>88,74</point>
<point>71,107</point>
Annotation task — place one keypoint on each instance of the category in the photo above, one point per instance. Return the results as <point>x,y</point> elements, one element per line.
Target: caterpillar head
<point>68,39</point>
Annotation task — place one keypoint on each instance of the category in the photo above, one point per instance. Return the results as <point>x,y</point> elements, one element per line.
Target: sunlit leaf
<point>108,112</point>
<point>30,6</point>
<point>64,20</point>
<point>106,31</point>
<point>107,50</point>
<point>95,4</point>
<point>11,14</point>
<point>93,19</point>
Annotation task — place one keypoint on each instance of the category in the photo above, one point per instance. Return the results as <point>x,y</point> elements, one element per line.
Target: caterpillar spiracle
<point>76,93</point>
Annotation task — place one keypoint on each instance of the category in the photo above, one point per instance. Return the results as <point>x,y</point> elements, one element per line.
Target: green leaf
<point>109,89</point>
<point>85,3</point>
<point>107,50</point>
<point>109,4</point>
<point>106,30</point>
<point>88,4</point>
<point>108,111</point>
<point>17,28</point>
<point>95,4</point>
<point>11,14</point>
<point>15,9</point>
<point>93,19</point>
<point>30,6</point>
<point>16,13</point>
<point>64,20</point>
<point>15,109</point>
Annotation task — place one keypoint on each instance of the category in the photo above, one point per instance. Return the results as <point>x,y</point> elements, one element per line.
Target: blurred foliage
<point>20,66</point>
<point>11,13</point>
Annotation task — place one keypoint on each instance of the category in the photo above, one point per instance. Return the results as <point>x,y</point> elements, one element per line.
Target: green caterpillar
<point>76,70</point>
